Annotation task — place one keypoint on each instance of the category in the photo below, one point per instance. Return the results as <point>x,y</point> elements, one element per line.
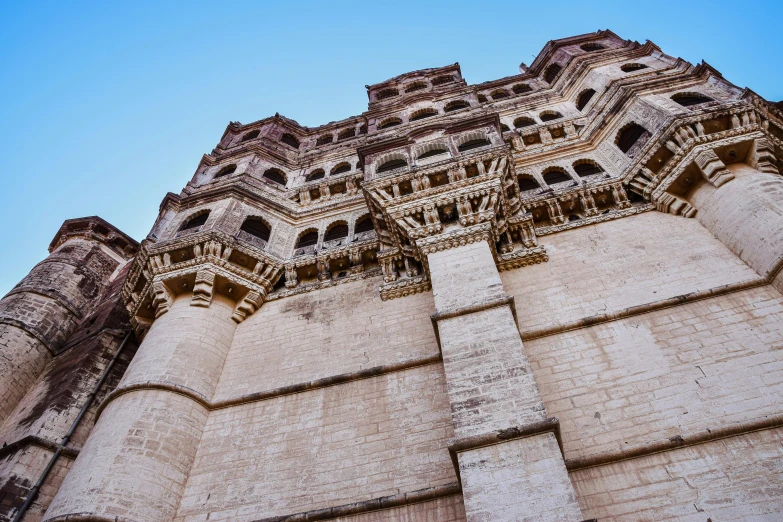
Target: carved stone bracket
<point>674,205</point>
<point>762,156</point>
<point>247,305</point>
<point>713,168</point>
<point>162,298</point>
<point>202,290</point>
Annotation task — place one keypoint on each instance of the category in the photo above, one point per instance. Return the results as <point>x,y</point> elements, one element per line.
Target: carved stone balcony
<point>250,238</point>
<point>201,263</point>
<point>309,250</point>
<point>188,232</point>
<point>447,200</point>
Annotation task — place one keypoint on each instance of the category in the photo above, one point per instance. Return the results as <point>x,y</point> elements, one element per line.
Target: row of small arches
<point>340,168</point>
<point>398,160</point>
<point>553,70</point>
<point>259,228</point>
<point>273,175</point>
<point>335,231</point>
<point>557,175</point>
<point>253,225</point>
<point>633,133</point>
<point>287,138</point>
<point>421,114</point>
<point>418,85</point>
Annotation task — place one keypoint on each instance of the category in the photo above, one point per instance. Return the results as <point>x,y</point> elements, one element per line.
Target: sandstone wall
<point>338,330</point>
<point>654,376</point>
<point>357,441</point>
<point>447,509</point>
<point>612,266</point>
<point>738,478</point>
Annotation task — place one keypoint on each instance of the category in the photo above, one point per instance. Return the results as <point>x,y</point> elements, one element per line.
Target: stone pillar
<point>38,314</point>
<point>506,449</point>
<point>746,214</point>
<point>135,463</point>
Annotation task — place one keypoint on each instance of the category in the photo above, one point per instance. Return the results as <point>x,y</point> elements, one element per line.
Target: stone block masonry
<point>554,296</point>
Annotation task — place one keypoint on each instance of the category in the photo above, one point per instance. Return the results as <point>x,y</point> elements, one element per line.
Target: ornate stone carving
<point>713,168</point>
<point>162,298</point>
<point>202,290</point>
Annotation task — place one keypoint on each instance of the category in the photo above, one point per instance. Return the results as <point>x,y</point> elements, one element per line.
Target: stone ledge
<point>275,392</point>
<point>34,440</point>
<point>375,504</point>
<point>457,445</point>
<point>644,308</point>
<point>678,441</point>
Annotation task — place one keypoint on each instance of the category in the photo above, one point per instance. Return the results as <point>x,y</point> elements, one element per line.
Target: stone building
<point>552,296</point>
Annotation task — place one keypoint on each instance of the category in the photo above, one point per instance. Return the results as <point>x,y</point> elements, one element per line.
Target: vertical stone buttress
<point>136,461</point>
<point>38,314</point>
<point>505,447</point>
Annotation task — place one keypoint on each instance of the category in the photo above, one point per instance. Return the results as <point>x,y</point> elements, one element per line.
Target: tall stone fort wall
<point>553,296</point>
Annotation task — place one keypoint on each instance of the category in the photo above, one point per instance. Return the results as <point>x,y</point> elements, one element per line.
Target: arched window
<point>631,67</point>
<point>257,228</point>
<point>308,238</point>
<point>473,144</point>
<point>275,175</point>
<point>195,221</point>
<point>316,174</point>
<point>556,175</point>
<point>504,127</point>
<point>630,136</point>
<point>323,140</point>
<point>363,224</point>
<point>551,72</point>
<point>550,116</point>
<point>587,168</point>
<point>482,98</point>
<point>584,99</point>
<point>346,133</point>
<point>440,80</point>
<point>337,231</point>
<point>521,88</point>
<point>341,168</point>
<point>415,86</point>
<point>392,164</point>
<point>528,183</point>
<point>290,139</point>
<point>433,152</point>
<point>499,94</point>
<point>591,47</point>
<point>389,122</point>
<point>363,129</point>
<point>251,135</point>
<point>388,93</point>
<point>523,121</point>
<point>687,99</point>
<point>227,170</point>
<point>423,113</point>
<point>456,105</point>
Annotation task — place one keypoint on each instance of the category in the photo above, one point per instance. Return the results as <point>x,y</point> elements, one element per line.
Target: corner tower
<point>39,313</point>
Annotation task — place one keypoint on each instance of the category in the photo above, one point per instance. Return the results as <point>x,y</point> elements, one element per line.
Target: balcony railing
<point>253,240</point>
<point>188,231</point>
<point>305,251</point>
<point>334,243</point>
<point>363,236</point>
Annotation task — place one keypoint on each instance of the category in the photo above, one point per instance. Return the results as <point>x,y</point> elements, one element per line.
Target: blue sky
<point>105,107</point>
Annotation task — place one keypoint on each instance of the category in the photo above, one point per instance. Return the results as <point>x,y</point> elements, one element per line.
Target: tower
<point>551,296</point>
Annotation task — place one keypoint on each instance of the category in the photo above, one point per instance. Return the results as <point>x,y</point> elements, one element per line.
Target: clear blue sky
<point>104,107</point>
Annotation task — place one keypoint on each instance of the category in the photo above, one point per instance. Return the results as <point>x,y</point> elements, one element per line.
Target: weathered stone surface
<point>451,307</point>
